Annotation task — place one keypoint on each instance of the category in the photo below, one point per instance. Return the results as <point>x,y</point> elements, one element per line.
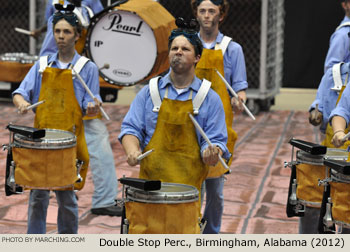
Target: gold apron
<point>211,60</point>
<point>329,130</point>
<point>176,159</point>
<point>62,111</point>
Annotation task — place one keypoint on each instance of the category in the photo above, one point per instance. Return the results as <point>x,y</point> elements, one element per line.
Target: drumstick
<point>346,137</point>
<point>35,105</point>
<point>142,156</point>
<point>198,127</point>
<point>235,94</point>
<point>20,30</point>
<point>90,93</point>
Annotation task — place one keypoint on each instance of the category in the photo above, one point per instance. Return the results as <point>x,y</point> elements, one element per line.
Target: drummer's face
<point>65,35</point>
<point>182,54</point>
<point>208,15</point>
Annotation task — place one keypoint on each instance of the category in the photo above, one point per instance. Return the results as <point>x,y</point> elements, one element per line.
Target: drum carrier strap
<point>342,25</point>
<point>223,44</point>
<point>336,72</point>
<point>43,61</point>
<point>197,101</point>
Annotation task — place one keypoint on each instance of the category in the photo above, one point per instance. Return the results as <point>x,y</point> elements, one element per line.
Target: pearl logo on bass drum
<point>116,25</point>
<point>132,39</point>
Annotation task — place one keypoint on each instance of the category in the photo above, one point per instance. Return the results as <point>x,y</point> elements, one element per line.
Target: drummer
<point>180,154</point>
<point>59,111</point>
<point>102,162</point>
<point>223,54</point>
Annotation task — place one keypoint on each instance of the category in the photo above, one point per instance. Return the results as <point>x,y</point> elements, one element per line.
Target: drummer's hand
<point>315,117</point>
<point>337,139</point>
<point>93,109</point>
<point>237,104</point>
<point>210,155</point>
<point>132,158</point>
<point>22,107</point>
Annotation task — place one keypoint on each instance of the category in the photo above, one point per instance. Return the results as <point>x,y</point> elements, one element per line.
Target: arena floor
<point>255,192</point>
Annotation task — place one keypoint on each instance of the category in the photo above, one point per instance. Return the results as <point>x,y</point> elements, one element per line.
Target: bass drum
<point>129,42</point>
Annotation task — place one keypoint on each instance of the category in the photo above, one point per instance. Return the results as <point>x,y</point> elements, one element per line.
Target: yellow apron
<point>62,111</point>
<point>176,159</point>
<point>329,131</point>
<point>340,192</point>
<point>211,60</point>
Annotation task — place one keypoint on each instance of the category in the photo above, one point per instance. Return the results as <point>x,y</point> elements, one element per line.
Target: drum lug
<point>324,181</point>
<point>79,164</point>
<point>327,219</point>
<point>290,164</point>
<point>125,228</point>
<point>11,179</point>
<point>6,147</point>
<point>293,196</point>
<point>202,225</point>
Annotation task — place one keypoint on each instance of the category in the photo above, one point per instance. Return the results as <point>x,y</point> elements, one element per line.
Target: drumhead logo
<point>122,73</point>
<point>116,25</point>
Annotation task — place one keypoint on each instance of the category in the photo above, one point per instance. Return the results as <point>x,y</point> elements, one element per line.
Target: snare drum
<point>174,209</point>
<point>340,197</point>
<point>132,39</point>
<point>47,163</point>
<point>309,170</point>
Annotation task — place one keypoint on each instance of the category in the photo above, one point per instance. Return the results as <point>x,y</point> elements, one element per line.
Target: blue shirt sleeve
<point>30,86</point>
<point>95,5</point>
<point>234,67</point>
<point>343,107</point>
<point>339,50</point>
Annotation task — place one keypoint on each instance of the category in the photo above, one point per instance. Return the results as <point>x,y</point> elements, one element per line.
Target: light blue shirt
<point>141,121</point>
<point>31,84</point>
<point>234,64</point>
<point>343,107</point>
<point>339,46</point>
<point>94,5</point>
<point>326,98</point>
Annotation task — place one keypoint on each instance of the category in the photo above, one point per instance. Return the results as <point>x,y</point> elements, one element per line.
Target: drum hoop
<point>93,22</point>
<point>340,178</point>
<point>45,144</point>
<point>156,197</point>
<point>341,223</point>
<point>304,157</point>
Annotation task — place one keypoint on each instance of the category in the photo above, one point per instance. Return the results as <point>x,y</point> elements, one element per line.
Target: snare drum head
<point>54,139</point>
<point>170,193</point>
<point>336,154</point>
<point>126,43</point>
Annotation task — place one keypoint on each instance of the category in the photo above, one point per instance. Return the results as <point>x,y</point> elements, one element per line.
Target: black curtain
<point>308,27</point>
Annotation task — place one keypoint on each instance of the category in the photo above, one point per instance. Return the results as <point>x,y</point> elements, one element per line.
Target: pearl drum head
<point>129,43</point>
<point>125,42</point>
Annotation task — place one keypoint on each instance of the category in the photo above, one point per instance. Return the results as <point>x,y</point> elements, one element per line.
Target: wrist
<point>337,131</point>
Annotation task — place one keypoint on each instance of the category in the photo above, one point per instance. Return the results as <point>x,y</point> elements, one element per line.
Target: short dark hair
<point>224,8</point>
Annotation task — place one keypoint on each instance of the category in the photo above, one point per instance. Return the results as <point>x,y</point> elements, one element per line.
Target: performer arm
<point>338,125</point>
<point>20,103</point>
<point>131,145</point>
